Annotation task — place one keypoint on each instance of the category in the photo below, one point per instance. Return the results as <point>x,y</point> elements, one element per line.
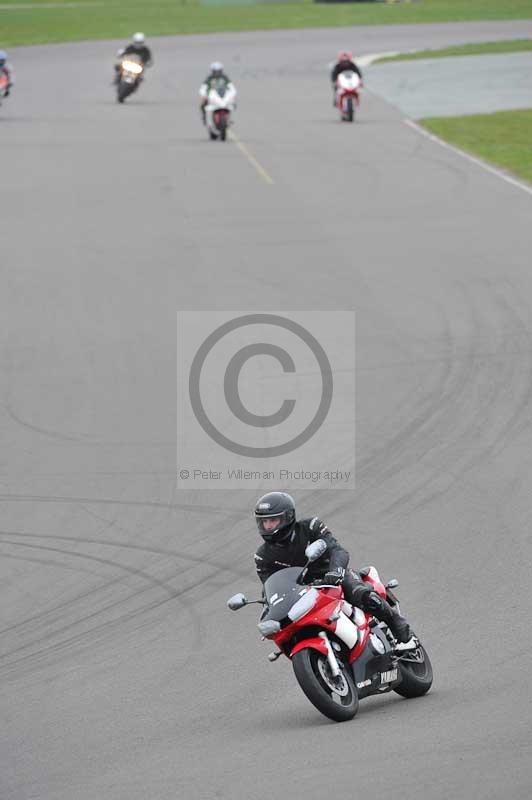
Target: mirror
<point>237,601</point>
<point>316,549</point>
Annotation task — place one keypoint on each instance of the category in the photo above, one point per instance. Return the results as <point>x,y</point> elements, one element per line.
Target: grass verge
<point>481,48</point>
<point>42,21</point>
<point>502,138</point>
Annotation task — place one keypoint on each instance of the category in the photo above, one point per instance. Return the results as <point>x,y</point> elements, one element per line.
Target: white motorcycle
<point>221,102</point>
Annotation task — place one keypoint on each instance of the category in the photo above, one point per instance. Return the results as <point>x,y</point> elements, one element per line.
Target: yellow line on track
<point>251,158</point>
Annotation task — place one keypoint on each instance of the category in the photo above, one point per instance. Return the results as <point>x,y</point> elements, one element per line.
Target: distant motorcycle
<point>130,70</point>
<point>339,654</point>
<point>220,105</point>
<point>347,94</point>
<point>4,83</point>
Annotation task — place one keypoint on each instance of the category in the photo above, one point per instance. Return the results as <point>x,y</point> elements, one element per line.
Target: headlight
<point>269,627</point>
<point>304,605</point>
<point>132,66</point>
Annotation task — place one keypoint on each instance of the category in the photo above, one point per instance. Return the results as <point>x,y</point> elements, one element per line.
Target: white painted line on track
<point>498,172</point>
<point>251,158</point>
<point>365,61</point>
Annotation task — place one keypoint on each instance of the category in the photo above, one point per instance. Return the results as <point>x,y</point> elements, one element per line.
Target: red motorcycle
<point>4,83</point>
<point>348,86</point>
<point>339,654</point>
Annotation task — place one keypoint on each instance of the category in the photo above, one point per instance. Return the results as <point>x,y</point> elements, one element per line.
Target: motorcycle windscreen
<point>282,592</point>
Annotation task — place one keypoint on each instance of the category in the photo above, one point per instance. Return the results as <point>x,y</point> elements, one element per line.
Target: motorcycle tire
<point>350,111</point>
<point>123,90</point>
<point>222,127</point>
<point>416,673</point>
<point>312,672</point>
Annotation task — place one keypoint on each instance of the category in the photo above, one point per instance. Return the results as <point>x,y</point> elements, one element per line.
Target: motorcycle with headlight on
<point>130,71</point>
<point>339,654</point>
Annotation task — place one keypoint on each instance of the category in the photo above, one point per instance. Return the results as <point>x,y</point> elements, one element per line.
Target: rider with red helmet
<point>344,63</point>
<point>7,71</point>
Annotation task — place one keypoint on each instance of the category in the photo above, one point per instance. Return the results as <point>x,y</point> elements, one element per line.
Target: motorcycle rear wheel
<point>313,674</point>
<point>416,673</point>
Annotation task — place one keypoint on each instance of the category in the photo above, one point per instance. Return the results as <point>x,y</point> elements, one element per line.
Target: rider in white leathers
<point>215,75</point>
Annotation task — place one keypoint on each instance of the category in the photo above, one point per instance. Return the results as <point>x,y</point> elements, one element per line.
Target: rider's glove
<point>373,602</point>
<point>334,577</point>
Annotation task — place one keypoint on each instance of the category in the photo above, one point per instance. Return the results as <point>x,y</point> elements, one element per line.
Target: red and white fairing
<point>348,84</point>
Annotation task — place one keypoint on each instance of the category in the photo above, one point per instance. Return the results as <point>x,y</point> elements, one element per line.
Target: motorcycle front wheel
<point>336,698</point>
<point>123,90</point>
<point>416,673</point>
<point>350,113</point>
<point>222,127</point>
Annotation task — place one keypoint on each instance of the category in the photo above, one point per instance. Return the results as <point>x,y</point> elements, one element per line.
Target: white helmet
<point>217,67</point>
<point>138,38</point>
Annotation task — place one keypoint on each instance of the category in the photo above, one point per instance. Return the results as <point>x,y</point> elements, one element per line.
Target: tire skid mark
<point>219,568</point>
<point>47,562</point>
<point>66,603</point>
<point>64,437</point>
<point>431,433</point>
<point>519,419</point>
<point>388,459</point>
<point>443,428</point>
<point>506,376</point>
<point>74,437</point>
<point>109,501</point>
<point>196,560</point>
<point>86,638</point>
<point>155,583</point>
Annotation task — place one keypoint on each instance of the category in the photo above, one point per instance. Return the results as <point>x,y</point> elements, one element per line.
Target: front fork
<point>331,658</point>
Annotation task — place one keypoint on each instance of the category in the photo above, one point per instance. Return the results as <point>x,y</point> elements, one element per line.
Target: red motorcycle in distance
<point>339,654</point>
<point>4,83</point>
<point>348,86</point>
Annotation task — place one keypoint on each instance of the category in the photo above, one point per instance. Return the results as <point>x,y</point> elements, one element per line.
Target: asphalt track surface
<point>447,87</point>
<point>123,675</point>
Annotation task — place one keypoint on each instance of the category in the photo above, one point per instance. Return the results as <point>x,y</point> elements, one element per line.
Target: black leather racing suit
<point>291,553</point>
<point>143,52</point>
<point>140,50</point>
<point>344,66</point>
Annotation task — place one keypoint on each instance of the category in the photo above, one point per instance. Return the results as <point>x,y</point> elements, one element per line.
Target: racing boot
<point>382,610</point>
